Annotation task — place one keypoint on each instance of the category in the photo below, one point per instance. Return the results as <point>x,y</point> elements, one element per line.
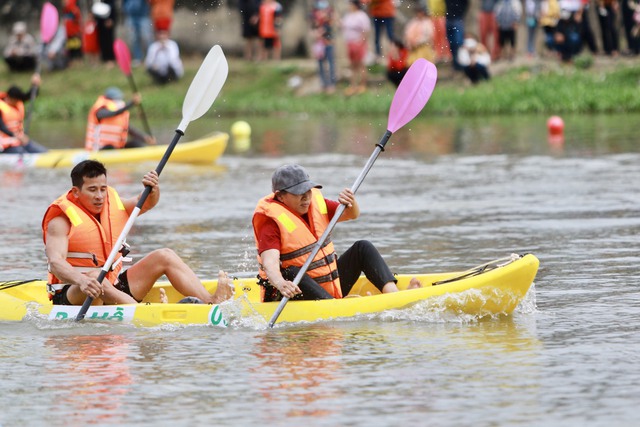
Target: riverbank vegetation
<point>291,86</point>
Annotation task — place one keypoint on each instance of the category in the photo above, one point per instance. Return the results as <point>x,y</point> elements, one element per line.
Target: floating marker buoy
<point>555,125</point>
<point>241,133</point>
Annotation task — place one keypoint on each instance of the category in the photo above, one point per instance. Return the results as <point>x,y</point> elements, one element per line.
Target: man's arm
<point>56,251</point>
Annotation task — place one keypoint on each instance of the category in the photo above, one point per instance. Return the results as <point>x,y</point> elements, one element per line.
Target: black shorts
<point>60,298</point>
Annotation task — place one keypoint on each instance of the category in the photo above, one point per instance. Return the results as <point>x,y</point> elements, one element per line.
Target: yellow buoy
<point>241,133</point>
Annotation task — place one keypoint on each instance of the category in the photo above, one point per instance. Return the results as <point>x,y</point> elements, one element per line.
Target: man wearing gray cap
<point>288,223</point>
<point>108,123</point>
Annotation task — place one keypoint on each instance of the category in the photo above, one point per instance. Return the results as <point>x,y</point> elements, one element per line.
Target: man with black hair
<point>12,136</point>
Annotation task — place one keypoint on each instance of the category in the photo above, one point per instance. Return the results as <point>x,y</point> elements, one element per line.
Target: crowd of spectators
<point>437,30</point>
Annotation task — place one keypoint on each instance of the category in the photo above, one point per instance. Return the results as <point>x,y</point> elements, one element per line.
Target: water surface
<point>446,194</point>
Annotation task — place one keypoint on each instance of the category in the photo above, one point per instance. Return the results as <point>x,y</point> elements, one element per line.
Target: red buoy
<point>555,126</point>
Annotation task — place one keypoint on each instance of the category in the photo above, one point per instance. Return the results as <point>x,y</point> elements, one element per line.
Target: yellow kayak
<point>205,150</point>
<point>493,288</point>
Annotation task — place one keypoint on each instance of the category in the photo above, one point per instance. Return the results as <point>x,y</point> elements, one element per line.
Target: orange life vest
<point>13,118</point>
<point>110,131</point>
<point>267,20</point>
<point>297,239</point>
<point>90,240</point>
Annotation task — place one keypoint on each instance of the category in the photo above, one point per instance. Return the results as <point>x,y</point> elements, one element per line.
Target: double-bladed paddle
<point>48,28</point>
<point>204,89</point>
<point>412,95</point>
<point>123,58</point>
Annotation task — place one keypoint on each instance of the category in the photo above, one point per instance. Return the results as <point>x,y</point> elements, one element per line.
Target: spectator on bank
<point>488,27</point>
<point>249,15</point>
<point>21,51</point>
<point>323,44</point>
<point>631,19</point>
<point>356,29</point>
<point>106,26</point>
<point>138,22</point>
<point>438,11</point>
<point>418,36</point>
<point>635,30</point>
<point>90,45</point>
<point>55,52</point>
<point>163,61</point>
<point>508,15</point>
<point>474,58</point>
<point>162,14</point>
<point>456,11</point>
<point>586,32</point>
<point>532,15</point>
<point>269,23</point>
<point>607,16</point>
<point>567,36</point>
<point>549,17</point>
<point>383,13</point>
<point>72,19</point>
<point>397,62</point>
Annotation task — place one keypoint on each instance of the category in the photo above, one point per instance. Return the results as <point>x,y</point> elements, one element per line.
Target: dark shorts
<point>60,298</point>
<point>269,42</point>
<point>249,30</point>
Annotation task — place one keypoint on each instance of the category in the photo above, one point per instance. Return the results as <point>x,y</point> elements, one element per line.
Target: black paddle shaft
<point>143,198</point>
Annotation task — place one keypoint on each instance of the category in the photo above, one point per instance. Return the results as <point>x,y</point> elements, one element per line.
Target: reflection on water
<point>425,137</point>
<point>91,377</point>
<point>298,370</point>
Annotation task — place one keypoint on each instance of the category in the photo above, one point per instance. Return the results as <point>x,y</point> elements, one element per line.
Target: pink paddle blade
<point>123,57</point>
<point>48,22</point>
<point>413,93</point>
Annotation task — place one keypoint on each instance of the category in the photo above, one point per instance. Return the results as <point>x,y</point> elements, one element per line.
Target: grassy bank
<point>543,86</point>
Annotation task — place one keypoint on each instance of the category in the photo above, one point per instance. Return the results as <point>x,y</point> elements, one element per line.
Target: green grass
<point>262,89</point>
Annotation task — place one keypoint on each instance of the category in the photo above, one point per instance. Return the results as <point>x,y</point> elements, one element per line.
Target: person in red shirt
<point>287,225</point>
<point>397,65</point>
<point>72,18</point>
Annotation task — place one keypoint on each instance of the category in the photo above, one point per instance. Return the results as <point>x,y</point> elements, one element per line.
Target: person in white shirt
<point>474,59</point>
<point>163,61</point>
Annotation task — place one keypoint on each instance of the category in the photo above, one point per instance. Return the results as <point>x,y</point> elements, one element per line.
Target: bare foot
<point>224,290</point>
<point>414,283</point>
<point>163,296</point>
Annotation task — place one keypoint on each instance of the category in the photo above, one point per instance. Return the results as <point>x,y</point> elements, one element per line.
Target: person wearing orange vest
<point>79,230</point>
<point>269,23</point>
<point>13,140</point>
<point>287,225</point>
<point>108,123</point>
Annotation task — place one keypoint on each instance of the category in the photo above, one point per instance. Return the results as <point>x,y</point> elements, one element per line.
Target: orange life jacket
<point>267,20</point>
<point>110,131</point>
<point>297,239</point>
<point>90,240</point>
<point>13,118</point>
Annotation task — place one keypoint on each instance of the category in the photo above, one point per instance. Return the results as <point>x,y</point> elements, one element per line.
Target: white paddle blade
<point>205,86</point>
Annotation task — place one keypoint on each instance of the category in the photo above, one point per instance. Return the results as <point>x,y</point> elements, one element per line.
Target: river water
<point>447,194</point>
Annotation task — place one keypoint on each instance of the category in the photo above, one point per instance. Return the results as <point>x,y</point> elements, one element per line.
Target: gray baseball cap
<point>292,179</point>
<point>113,93</point>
